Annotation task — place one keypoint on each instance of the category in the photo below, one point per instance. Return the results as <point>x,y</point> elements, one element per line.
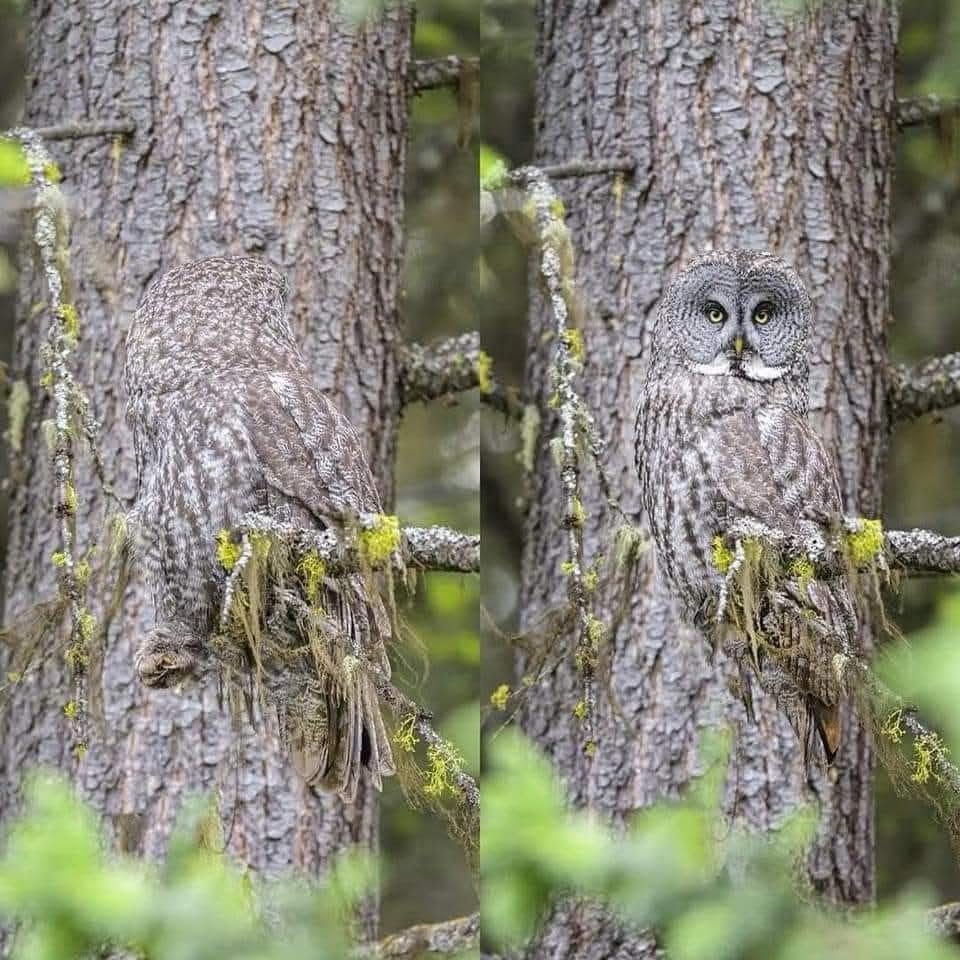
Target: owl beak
<point>738,345</point>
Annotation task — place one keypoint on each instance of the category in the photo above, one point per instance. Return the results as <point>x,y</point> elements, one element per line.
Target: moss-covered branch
<point>857,541</point>
<point>931,109</point>
<point>426,548</point>
<point>928,386</point>
<point>448,937</point>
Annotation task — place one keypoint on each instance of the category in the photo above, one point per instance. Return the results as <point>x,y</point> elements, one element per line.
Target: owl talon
<point>164,660</point>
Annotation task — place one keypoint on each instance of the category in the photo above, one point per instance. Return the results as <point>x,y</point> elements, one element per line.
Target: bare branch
<point>923,551</point>
<point>440,369</point>
<point>917,111</point>
<point>442,72</point>
<point>944,921</point>
<point>589,168</point>
<point>428,548</point>
<point>451,936</point>
<point>79,129</point>
<point>931,385</point>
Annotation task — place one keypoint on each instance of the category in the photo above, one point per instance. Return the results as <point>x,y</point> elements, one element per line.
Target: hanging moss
<point>228,552</point>
<point>500,696</point>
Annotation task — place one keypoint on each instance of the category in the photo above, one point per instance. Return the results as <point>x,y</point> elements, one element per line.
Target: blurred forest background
<point>423,873</point>
<point>921,487</point>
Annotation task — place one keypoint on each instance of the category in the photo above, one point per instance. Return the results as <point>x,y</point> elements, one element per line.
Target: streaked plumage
<point>722,435</point>
<point>226,421</point>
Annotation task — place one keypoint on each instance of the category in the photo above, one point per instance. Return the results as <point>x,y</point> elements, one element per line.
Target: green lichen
<point>18,406</point>
<point>864,545</point>
<point>590,748</point>
<point>500,696</point>
<point>567,568</point>
<point>81,573</point>
<point>484,372</point>
<point>381,540</point>
<point>46,380</point>
<point>313,570</point>
<point>591,579</point>
<point>721,555</point>
<point>596,631</point>
<point>76,657</point>
<point>70,710</point>
<point>51,172</point>
<point>228,552</point>
<point>580,710</point>
<point>79,751</point>
<point>86,625</point>
<point>557,210</point>
<point>59,558</point>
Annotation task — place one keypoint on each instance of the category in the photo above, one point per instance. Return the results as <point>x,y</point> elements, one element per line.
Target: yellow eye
<point>763,313</point>
<point>716,313</point>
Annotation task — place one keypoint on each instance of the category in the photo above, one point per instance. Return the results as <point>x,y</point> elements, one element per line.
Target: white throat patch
<point>753,368</point>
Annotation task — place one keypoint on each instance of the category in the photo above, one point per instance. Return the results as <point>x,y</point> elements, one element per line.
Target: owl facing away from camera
<point>722,436</point>
<point>226,421</point>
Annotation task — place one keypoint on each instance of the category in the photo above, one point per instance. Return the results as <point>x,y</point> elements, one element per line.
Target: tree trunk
<point>749,128</point>
<point>273,129</point>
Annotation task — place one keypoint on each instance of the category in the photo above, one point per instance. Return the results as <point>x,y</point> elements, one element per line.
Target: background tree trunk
<point>749,129</point>
<point>275,129</point>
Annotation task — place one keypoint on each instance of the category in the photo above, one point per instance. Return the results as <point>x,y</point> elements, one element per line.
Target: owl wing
<point>309,452</point>
<point>770,466</point>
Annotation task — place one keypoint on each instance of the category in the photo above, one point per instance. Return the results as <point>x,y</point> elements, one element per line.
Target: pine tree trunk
<point>749,129</point>
<point>272,129</point>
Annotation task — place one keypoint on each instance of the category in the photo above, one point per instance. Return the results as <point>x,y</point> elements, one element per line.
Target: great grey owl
<point>722,436</point>
<point>226,421</point>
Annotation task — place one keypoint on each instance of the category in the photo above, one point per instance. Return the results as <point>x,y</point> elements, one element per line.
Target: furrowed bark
<point>747,129</point>
<point>264,132</point>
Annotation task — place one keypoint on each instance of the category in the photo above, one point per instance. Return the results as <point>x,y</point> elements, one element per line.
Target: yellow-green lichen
<point>70,710</point>
<point>86,624</point>
<point>580,710</point>
<point>929,751</point>
<point>590,748</point>
<point>721,555</point>
<point>568,568</point>
<point>865,544</point>
<point>892,727</point>
<point>590,580</point>
<point>500,696</point>
<point>70,499</point>
<point>529,434</point>
<point>557,210</point>
<point>484,372</point>
<point>405,736</point>
<point>81,573</point>
<point>18,405</point>
<point>573,339</point>
<point>46,380</point>
<point>595,631</point>
<point>313,570</point>
<point>79,751</point>
<point>381,540</point>
<point>228,552</point>
<point>801,570</point>
<point>59,558</point>
<point>443,765</point>
<point>76,657</point>
<point>52,172</point>
<point>70,319</point>
<point>577,513</point>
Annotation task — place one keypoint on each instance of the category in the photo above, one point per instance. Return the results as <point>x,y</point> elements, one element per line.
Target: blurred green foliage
<point>72,900</point>
<point>709,893</point>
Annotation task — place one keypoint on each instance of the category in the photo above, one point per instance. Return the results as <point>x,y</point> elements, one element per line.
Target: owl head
<point>738,313</point>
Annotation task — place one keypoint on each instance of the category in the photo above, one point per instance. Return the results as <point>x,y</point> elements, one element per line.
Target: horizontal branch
<point>917,111</point>
<point>442,72</point>
<point>589,168</point>
<point>944,921</point>
<point>931,385</point>
<point>450,936</point>
<point>79,129</point>
<point>916,551</point>
<point>441,369</point>
<point>427,548</point>
<point>922,551</point>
